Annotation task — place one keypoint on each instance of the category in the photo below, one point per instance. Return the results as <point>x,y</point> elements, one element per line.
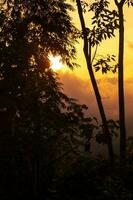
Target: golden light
<point>55,62</point>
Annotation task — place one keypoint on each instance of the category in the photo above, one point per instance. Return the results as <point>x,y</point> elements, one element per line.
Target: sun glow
<point>55,62</point>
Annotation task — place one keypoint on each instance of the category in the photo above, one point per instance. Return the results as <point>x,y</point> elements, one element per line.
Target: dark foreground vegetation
<point>45,136</point>
<point>85,179</point>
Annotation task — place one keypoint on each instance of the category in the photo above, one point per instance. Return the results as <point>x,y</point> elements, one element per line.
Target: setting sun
<point>55,62</point>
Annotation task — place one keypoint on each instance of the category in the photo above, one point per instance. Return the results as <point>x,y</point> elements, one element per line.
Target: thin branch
<point>94,54</point>
<point>122,2</point>
<point>116,2</point>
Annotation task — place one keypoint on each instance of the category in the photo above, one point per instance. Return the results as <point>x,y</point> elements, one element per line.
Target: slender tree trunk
<point>121,87</point>
<point>121,82</point>
<point>87,53</point>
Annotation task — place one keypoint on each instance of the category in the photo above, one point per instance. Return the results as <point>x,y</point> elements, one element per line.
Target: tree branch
<point>94,54</point>
<point>122,2</point>
<point>116,2</point>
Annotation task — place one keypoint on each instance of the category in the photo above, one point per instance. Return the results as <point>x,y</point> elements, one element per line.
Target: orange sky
<point>77,84</point>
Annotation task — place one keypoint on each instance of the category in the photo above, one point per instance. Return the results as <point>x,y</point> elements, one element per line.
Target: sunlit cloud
<point>82,90</point>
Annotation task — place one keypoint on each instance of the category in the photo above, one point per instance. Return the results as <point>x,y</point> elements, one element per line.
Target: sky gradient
<point>77,83</point>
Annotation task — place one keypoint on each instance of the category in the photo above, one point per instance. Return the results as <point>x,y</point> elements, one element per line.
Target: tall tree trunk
<point>87,53</point>
<point>121,82</point>
<point>121,87</point>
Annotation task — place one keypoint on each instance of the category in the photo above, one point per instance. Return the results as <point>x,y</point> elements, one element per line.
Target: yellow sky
<point>109,46</point>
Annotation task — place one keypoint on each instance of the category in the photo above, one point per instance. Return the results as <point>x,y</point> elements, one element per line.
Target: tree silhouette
<point>38,121</point>
<point>123,135</point>
<point>28,34</point>
<point>107,30</point>
<point>102,29</point>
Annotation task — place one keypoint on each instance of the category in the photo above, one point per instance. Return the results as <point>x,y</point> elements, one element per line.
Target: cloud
<point>79,89</point>
<point>83,91</point>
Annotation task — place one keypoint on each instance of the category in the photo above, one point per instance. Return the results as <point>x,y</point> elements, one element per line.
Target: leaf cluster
<point>104,22</point>
<point>129,2</point>
<point>106,64</point>
<point>84,6</point>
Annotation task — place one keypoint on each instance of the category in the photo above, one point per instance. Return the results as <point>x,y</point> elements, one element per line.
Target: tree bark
<point>121,86</point>
<point>87,53</point>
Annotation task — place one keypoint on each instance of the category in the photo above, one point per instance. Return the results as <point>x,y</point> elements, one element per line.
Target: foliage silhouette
<point>102,29</point>
<point>95,180</point>
<point>116,19</point>
<point>106,64</point>
<point>38,121</point>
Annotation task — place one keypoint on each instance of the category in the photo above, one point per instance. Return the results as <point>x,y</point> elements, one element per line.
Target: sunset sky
<point>77,84</point>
